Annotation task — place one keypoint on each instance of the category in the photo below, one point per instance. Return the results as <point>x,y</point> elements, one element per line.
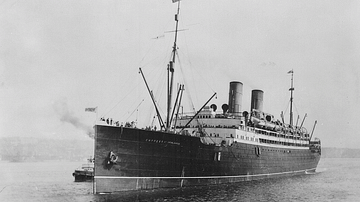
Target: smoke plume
<point>67,116</point>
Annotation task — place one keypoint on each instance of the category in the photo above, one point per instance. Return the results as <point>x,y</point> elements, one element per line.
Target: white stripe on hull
<point>205,177</point>
<point>113,184</point>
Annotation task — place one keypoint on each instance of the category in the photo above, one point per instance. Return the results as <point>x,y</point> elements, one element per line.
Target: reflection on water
<point>335,180</point>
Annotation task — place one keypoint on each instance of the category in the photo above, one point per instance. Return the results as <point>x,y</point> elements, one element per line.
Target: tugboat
<point>85,172</point>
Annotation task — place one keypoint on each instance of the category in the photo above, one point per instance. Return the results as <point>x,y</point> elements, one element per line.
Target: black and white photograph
<point>179,100</point>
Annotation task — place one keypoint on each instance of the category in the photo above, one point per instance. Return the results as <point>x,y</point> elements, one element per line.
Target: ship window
<point>217,156</point>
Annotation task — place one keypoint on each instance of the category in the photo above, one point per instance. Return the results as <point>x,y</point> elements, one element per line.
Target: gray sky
<point>59,57</point>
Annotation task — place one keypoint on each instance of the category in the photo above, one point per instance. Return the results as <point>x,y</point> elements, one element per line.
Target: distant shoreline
<point>332,152</point>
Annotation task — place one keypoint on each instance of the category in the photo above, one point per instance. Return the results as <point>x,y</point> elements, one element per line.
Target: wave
<point>320,170</point>
<point>317,171</point>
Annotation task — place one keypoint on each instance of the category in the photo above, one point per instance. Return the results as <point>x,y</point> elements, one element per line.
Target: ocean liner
<point>207,147</point>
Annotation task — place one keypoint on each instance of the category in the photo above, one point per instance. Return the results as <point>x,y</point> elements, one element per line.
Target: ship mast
<point>291,96</point>
<point>170,70</point>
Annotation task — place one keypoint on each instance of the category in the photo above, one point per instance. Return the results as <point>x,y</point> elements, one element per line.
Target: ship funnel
<point>257,100</point>
<point>225,108</point>
<point>214,107</point>
<point>235,96</point>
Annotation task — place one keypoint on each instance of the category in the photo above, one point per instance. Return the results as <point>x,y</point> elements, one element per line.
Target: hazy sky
<point>59,57</point>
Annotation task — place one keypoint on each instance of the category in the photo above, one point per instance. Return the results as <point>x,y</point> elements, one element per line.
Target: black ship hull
<point>147,159</point>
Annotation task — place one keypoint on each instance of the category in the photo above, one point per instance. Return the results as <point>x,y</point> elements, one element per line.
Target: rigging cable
<point>287,107</point>
<point>104,114</point>
<point>189,60</point>
<point>186,84</point>
<point>137,107</point>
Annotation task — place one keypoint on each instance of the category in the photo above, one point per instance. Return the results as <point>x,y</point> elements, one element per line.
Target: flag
<point>291,71</point>
<point>175,1</point>
<point>91,109</point>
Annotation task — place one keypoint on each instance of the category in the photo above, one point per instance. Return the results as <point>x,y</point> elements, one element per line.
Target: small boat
<point>85,172</point>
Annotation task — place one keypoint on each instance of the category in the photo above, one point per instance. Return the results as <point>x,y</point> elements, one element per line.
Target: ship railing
<point>315,142</point>
<point>283,138</point>
<point>211,126</point>
<point>211,140</point>
<point>190,115</point>
<point>266,141</point>
<point>280,134</point>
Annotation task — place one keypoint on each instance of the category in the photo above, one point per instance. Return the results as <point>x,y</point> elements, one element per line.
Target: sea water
<point>335,180</point>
